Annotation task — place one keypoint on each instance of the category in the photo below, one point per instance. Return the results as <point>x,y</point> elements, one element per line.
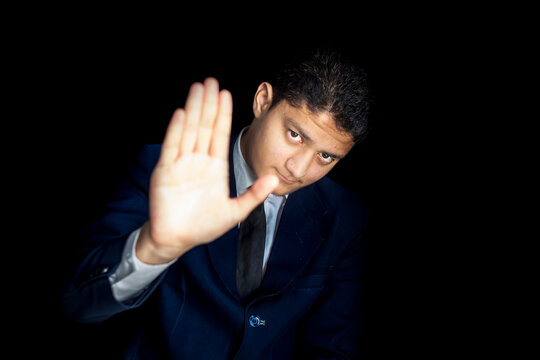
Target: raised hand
<point>190,202</point>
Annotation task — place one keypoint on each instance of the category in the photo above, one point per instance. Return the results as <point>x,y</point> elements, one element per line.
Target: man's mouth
<point>284,178</point>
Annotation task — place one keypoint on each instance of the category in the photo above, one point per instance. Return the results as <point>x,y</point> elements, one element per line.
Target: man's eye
<point>295,136</point>
<point>325,158</point>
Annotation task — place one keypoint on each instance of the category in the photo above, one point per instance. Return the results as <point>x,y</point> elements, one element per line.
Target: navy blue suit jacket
<point>308,306</point>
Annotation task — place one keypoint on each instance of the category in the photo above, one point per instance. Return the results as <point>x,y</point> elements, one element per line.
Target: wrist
<point>150,252</point>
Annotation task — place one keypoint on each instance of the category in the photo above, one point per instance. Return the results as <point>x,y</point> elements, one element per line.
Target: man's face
<point>296,145</point>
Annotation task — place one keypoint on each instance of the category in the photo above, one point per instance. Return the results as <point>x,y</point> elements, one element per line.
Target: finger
<point>193,113</point>
<point>208,115</point>
<point>219,146</point>
<point>255,195</point>
<point>173,137</point>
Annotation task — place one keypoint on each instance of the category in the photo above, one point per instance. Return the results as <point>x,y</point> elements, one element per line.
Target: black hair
<point>325,80</point>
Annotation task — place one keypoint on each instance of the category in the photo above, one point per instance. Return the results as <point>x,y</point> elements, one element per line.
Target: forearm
<point>103,287</point>
<point>87,295</point>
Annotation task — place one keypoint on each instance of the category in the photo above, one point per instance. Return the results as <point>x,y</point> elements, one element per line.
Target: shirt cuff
<point>132,275</point>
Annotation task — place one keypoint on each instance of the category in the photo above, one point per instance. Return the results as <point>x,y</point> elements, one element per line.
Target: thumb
<point>255,195</point>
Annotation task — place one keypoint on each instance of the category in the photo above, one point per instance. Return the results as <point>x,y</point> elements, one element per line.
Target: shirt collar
<point>243,175</point>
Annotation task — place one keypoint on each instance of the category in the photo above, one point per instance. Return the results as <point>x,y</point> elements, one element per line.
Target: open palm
<point>190,202</point>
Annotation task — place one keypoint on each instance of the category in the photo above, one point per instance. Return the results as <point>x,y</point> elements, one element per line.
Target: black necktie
<point>250,252</point>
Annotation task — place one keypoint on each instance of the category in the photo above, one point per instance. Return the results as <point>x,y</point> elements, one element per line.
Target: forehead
<point>319,128</point>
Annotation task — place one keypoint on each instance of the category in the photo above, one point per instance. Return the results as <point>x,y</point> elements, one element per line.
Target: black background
<point>92,96</point>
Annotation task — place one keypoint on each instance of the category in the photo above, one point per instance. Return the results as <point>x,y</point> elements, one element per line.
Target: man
<point>175,241</point>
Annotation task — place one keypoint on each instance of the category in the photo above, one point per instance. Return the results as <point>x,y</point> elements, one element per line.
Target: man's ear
<point>263,99</point>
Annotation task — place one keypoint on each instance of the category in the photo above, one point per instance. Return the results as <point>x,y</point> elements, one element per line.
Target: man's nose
<point>299,164</point>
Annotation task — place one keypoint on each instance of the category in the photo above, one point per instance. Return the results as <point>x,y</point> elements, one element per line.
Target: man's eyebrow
<point>335,156</point>
<point>298,128</point>
<point>302,132</point>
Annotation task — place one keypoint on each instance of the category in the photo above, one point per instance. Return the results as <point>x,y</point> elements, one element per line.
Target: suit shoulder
<point>149,154</point>
<point>138,168</point>
<point>143,159</point>
<point>338,198</point>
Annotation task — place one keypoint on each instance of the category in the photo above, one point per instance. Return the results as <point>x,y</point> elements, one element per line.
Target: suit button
<point>256,321</point>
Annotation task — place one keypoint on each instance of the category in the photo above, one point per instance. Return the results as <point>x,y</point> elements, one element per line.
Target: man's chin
<point>283,189</point>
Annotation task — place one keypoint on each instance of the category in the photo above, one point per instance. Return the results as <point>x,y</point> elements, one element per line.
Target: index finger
<point>222,128</point>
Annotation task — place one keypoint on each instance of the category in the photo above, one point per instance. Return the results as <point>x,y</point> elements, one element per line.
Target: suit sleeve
<point>333,327</point>
<point>87,295</point>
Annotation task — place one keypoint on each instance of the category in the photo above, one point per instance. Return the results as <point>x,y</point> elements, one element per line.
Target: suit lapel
<point>300,233</point>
